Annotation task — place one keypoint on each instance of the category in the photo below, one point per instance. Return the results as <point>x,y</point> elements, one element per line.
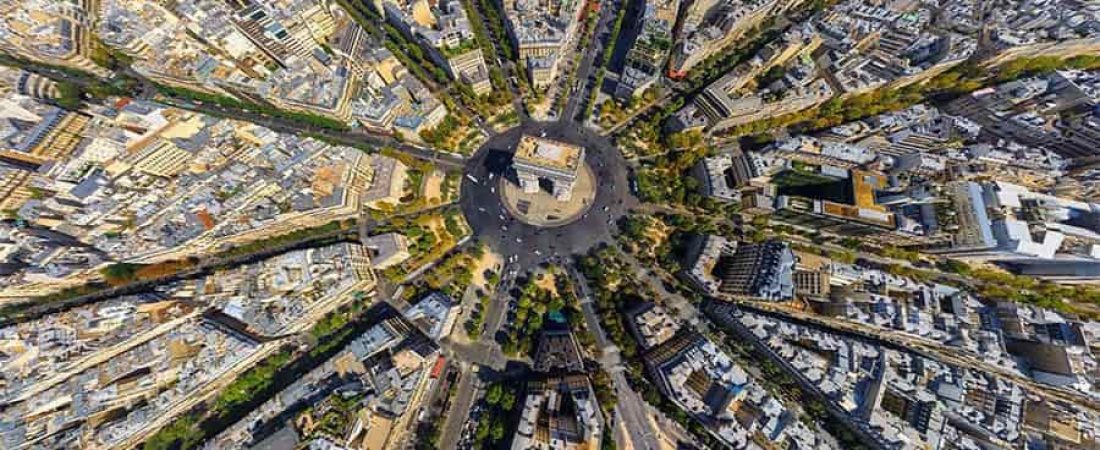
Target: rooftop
<point>549,153</point>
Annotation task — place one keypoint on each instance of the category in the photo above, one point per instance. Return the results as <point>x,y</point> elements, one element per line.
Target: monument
<point>546,159</point>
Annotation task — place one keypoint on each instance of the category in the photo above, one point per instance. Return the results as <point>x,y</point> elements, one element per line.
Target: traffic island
<point>542,209</point>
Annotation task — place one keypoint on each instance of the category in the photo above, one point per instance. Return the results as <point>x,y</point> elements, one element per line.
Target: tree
<point>482,431</point>
<point>498,431</point>
<point>508,401</point>
<point>493,396</point>
<point>68,95</point>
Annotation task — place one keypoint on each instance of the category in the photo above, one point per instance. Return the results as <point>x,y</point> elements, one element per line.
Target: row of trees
<point>225,101</point>
<point>611,111</point>
<point>262,381</point>
<point>605,60</point>
<point>996,284</point>
<point>531,308</point>
<point>501,401</point>
<point>453,275</point>
<point>617,291</point>
<point>605,266</point>
<point>427,242</point>
<point>666,178</point>
<point>720,63</point>
<point>118,274</point>
<point>780,383</point>
<point>959,80</point>
<point>443,135</point>
<point>488,105</point>
<point>496,22</point>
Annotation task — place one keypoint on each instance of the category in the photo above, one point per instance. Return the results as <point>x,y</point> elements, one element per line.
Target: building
<point>702,259</point>
<point>470,68</point>
<point>920,410</point>
<point>444,31</point>
<point>859,213</point>
<point>538,159</point>
<point>722,176</point>
<point>387,250</point>
<point>1029,232</point>
<point>558,351</point>
<point>651,325</point>
<point>559,413</point>
<point>762,270</point>
<point>387,185</point>
<point>436,313</point>
<point>542,31</point>
<point>811,283</point>
<point>709,27</point>
<point>645,61</point>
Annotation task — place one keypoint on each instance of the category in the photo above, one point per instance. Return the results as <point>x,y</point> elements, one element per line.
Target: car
<point>606,208</point>
<point>519,241</point>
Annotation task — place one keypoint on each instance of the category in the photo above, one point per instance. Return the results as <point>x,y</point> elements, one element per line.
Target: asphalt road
<point>586,79</point>
<point>519,242</point>
<point>460,409</point>
<point>350,137</point>
<point>632,410</point>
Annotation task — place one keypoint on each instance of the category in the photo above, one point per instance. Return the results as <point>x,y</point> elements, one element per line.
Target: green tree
<point>508,401</point>
<point>494,394</point>
<point>498,431</point>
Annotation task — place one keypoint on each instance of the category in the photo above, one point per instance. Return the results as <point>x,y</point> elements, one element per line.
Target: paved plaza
<point>542,209</point>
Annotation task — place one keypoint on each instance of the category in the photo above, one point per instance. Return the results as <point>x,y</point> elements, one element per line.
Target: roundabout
<point>528,228</point>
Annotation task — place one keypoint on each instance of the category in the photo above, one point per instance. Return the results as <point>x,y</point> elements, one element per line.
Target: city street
<point>586,80</point>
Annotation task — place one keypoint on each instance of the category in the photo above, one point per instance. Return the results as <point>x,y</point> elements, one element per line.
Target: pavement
<point>631,409</point>
<point>483,352</point>
<point>460,409</point>
<point>541,208</point>
<point>645,426</point>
